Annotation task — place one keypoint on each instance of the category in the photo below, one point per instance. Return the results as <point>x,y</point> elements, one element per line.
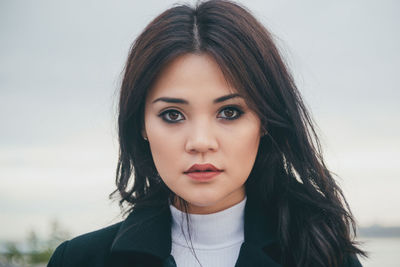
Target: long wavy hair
<point>315,226</point>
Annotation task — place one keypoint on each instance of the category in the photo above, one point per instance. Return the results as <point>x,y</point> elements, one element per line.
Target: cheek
<point>245,137</point>
<point>164,147</point>
<point>242,154</point>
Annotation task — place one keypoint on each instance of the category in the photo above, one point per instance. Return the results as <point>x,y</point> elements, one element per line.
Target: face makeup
<point>203,137</point>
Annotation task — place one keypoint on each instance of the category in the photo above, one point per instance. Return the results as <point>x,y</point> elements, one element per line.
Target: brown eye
<point>170,116</point>
<point>231,113</point>
<point>173,115</point>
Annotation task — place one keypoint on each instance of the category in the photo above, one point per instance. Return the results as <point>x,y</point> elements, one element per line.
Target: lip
<point>203,172</point>
<point>203,176</point>
<point>203,167</point>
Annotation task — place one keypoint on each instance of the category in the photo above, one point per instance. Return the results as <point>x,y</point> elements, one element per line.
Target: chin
<point>203,202</point>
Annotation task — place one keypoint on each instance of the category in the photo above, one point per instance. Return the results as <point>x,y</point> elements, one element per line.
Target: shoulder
<point>86,249</point>
<point>352,261</point>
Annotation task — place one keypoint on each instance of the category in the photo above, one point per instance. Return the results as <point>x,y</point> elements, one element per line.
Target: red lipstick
<point>202,172</point>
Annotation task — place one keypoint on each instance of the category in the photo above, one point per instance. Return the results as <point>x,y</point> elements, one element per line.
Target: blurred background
<point>60,68</point>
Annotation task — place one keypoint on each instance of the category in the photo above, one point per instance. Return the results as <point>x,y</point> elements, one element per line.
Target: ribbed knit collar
<point>209,231</point>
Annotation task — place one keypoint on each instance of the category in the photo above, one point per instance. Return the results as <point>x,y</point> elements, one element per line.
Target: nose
<point>201,139</point>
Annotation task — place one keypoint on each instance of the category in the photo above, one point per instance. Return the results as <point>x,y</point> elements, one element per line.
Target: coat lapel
<point>144,235</point>
<point>259,235</point>
<point>253,256</point>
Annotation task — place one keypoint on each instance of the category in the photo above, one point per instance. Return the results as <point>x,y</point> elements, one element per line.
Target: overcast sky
<point>60,68</point>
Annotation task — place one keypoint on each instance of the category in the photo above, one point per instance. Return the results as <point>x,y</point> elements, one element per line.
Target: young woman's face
<point>198,129</point>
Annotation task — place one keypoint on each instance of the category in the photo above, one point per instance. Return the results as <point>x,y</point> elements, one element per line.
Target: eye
<point>170,115</point>
<point>231,113</point>
<point>174,116</point>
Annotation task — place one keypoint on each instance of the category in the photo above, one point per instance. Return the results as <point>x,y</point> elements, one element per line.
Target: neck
<point>226,203</point>
<point>215,230</point>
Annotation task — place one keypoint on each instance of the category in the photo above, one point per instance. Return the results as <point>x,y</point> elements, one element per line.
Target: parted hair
<point>314,224</point>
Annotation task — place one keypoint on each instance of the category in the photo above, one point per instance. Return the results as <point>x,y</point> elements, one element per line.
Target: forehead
<point>191,76</point>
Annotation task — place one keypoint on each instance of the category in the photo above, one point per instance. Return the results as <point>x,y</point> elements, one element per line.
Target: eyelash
<point>239,111</point>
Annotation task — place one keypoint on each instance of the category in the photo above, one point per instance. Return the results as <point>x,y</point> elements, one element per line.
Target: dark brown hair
<point>314,222</point>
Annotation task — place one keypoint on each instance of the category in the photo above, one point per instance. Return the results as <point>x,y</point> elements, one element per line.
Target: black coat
<point>144,239</point>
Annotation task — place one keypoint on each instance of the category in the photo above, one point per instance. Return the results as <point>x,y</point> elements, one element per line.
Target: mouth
<point>203,176</point>
<point>203,168</point>
<point>201,171</point>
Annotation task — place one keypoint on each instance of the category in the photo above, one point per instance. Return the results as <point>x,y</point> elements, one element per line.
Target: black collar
<point>148,230</point>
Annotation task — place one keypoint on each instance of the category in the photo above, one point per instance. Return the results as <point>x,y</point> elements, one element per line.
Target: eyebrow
<point>183,101</point>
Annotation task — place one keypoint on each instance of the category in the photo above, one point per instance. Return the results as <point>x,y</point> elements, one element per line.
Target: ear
<point>143,131</point>
<point>264,132</point>
<point>144,134</point>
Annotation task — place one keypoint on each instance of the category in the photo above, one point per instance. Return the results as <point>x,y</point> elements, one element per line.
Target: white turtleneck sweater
<point>216,237</point>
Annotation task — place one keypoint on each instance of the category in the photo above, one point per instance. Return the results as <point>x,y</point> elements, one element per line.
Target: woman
<point>219,161</point>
